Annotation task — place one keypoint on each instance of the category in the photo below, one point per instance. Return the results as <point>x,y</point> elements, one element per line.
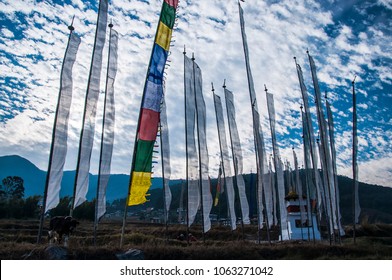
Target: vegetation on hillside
<point>375,202</point>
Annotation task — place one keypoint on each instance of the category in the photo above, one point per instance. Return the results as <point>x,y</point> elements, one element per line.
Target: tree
<point>63,208</point>
<point>31,207</point>
<point>12,188</point>
<point>85,211</point>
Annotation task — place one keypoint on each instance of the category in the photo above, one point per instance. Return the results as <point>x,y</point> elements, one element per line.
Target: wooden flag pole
<point>186,155</point>
<point>43,210</point>
<point>222,157</point>
<point>96,218</point>
<point>198,146</point>
<point>235,164</point>
<point>354,159</point>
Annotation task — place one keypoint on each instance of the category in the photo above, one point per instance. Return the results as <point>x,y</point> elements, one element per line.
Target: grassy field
<point>18,241</point>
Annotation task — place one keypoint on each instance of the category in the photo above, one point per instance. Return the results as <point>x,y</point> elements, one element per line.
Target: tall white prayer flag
<point>278,169</point>
<point>201,121</point>
<point>192,175</point>
<point>60,129</point>
<point>88,129</point>
<point>237,155</point>
<point>229,188</point>
<point>108,126</point>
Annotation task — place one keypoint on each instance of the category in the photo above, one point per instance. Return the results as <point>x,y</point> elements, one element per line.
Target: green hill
<point>375,200</point>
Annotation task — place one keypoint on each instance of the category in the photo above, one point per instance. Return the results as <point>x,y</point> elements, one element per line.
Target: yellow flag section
<point>164,36</point>
<point>141,182</point>
<point>150,110</point>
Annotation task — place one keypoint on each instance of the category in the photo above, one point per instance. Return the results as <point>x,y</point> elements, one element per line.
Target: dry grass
<point>18,241</point>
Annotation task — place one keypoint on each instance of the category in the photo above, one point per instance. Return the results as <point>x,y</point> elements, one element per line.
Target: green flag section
<point>168,15</point>
<point>150,110</point>
<point>143,160</point>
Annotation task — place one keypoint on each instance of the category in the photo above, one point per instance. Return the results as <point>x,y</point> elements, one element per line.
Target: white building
<point>299,226</point>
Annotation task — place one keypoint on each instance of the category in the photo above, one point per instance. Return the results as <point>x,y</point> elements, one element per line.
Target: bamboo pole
<point>221,153</point>
<point>84,112</point>
<point>198,146</point>
<point>96,218</point>
<point>276,164</point>
<point>312,148</point>
<point>324,148</point>
<point>136,140</point>
<point>354,159</point>
<point>307,179</point>
<point>235,165</point>
<point>186,154</point>
<point>165,212</point>
<point>253,107</point>
<point>43,210</point>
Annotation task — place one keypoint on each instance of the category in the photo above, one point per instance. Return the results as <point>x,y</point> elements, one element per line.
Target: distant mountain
<point>34,179</point>
<point>375,200</point>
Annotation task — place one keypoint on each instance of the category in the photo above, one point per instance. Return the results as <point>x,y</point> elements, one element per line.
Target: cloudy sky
<point>346,38</point>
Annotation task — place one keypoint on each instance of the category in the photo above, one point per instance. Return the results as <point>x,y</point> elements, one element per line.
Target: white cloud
<point>373,171</point>
<point>7,33</point>
<point>386,3</point>
<point>276,32</point>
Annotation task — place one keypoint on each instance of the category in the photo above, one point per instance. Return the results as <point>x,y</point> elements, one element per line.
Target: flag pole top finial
<point>295,60</point>
<point>70,27</point>
<point>355,76</point>
<point>212,87</point>
<point>193,56</point>
<point>111,24</point>
<point>184,52</point>
<point>301,107</point>
<point>224,83</point>
<point>265,88</point>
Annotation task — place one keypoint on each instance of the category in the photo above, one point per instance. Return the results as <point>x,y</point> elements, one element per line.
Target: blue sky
<point>346,38</point>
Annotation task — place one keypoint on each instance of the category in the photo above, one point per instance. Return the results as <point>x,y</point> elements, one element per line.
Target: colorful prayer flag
<point>150,110</point>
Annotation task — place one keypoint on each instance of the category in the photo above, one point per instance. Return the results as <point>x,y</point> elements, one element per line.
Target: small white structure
<point>299,226</point>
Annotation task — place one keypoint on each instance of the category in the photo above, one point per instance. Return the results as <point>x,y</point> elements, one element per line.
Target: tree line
<point>375,201</point>
<point>13,205</point>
